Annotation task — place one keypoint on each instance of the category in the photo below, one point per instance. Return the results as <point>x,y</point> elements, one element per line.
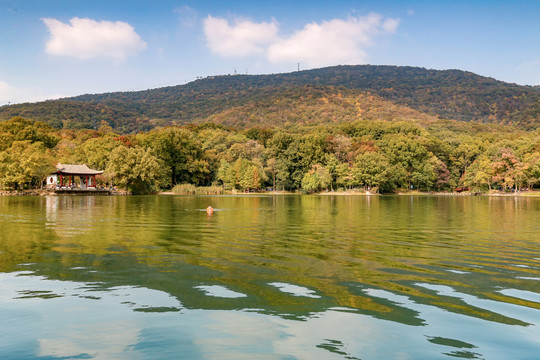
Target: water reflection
<point>270,277</point>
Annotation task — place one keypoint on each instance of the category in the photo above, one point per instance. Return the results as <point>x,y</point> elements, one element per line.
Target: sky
<point>57,48</point>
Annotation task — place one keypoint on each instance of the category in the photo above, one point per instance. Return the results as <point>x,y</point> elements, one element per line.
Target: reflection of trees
<point>336,246</point>
<point>24,236</point>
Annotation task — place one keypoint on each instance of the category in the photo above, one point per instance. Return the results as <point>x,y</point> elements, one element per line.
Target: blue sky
<point>55,48</point>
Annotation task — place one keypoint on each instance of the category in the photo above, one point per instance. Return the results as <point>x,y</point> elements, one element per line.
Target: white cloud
<point>242,38</point>
<point>390,25</point>
<point>87,38</point>
<point>332,42</point>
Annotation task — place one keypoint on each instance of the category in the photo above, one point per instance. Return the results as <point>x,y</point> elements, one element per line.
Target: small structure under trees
<point>73,176</point>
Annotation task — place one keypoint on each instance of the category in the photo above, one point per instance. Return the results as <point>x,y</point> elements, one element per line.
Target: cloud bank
<point>242,38</point>
<point>331,42</point>
<point>87,39</point>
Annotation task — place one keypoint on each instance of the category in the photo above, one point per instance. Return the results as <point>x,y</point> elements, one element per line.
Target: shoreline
<point>44,192</point>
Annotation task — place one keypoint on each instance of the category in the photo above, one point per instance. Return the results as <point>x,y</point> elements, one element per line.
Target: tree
<point>441,172</point>
<point>271,168</point>
<point>316,179</point>
<point>25,164</point>
<point>262,135</point>
<point>226,174</point>
<point>331,163</point>
<point>479,174</point>
<point>250,178</point>
<point>464,155</point>
<point>505,168</point>
<point>532,169</point>
<point>301,154</point>
<point>425,175</point>
<point>345,176</point>
<point>370,169</point>
<point>242,174</point>
<point>181,153</point>
<point>340,146</point>
<point>136,169</point>
<point>408,152</point>
<point>95,152</point>
<point>20,129</point>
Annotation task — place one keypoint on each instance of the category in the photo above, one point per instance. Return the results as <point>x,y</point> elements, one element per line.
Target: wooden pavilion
<point>73,176</point>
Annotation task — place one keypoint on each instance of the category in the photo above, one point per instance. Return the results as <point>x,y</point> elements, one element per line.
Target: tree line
<point>374,155</point>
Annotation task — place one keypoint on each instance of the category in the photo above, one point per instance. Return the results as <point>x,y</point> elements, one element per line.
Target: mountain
<point>332,94</point>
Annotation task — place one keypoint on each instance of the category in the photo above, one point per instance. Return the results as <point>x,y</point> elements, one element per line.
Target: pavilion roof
<point>76,169</point>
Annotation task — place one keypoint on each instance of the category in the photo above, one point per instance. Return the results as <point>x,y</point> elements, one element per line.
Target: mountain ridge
<point>448,94</point>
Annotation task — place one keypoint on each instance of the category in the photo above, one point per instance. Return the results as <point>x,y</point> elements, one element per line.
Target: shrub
<point>184,189</point>
<point>209,190</point>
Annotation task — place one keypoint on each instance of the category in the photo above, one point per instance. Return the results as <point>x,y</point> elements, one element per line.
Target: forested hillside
<point>375,155</point>
<point>327,95</point>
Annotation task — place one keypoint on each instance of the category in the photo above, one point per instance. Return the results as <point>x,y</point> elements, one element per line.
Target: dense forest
<point>378,128</point>
<point>372,154</point>
<point>329,95</point>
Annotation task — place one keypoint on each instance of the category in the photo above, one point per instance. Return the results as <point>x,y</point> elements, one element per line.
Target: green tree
<point>20,129</point>
<point>136,169</point>
<point>370,169</point>
<point>25,164</point>
<point>296,155</point>
<point>331,163</point>
<point>479,174</point>
<point>532,169</point>
<point>95,152</point>
<point>408,152</point>
<point>226,174</point>
<point>242,174</point>
<point>345,176</point>
<point>181,153</point>
<point>271,169</point>
<point>425,175</point>
<point>316,179</point>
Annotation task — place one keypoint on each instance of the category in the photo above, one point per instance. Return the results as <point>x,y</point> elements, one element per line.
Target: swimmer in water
<point>209,210</point>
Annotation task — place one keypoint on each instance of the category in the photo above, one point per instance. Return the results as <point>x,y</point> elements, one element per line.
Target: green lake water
<point>269,277</point>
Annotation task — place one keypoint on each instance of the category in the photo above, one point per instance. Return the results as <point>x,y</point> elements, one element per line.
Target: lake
<point>269,277</point>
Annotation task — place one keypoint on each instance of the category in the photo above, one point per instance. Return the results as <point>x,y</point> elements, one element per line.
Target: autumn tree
<point>505,168</point>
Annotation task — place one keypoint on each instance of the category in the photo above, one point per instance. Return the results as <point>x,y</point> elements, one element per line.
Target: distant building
<point>75,176</point>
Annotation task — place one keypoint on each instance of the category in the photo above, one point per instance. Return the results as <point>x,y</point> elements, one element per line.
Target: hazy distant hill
<point>332,94</point>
